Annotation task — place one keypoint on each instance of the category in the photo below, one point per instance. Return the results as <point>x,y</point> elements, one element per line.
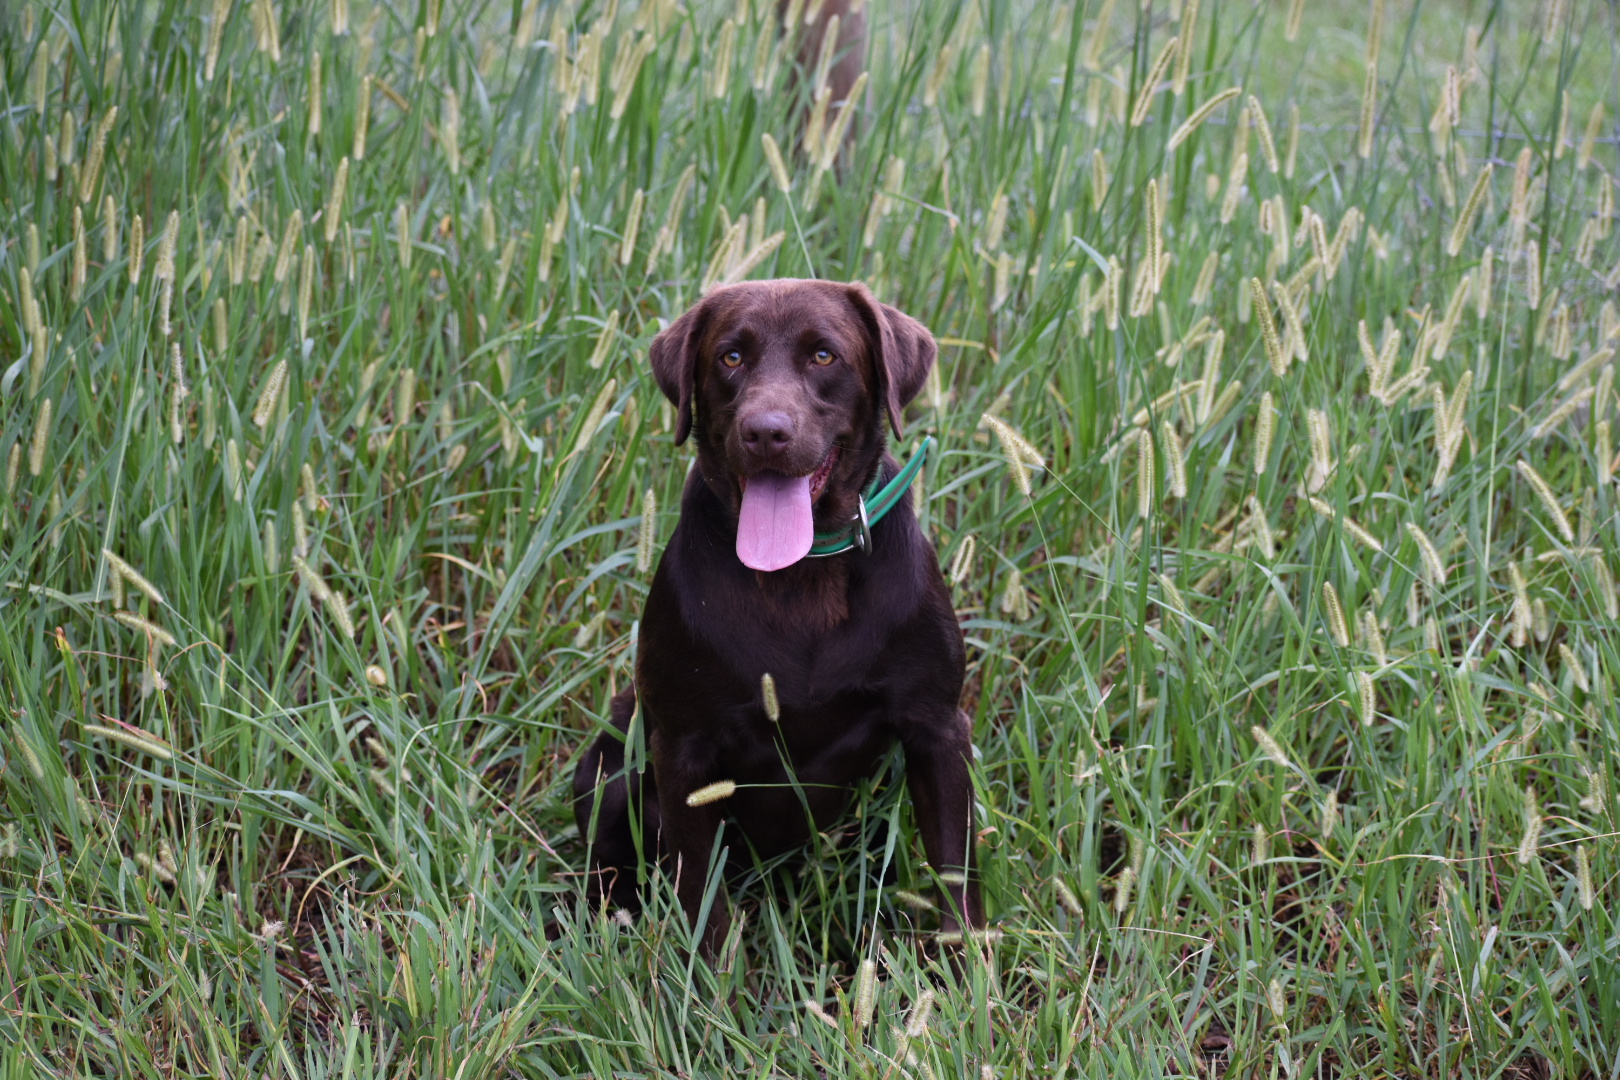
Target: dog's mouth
<point>776,526</point>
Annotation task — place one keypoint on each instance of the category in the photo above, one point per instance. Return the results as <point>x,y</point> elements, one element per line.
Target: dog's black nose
<point>767,433</point>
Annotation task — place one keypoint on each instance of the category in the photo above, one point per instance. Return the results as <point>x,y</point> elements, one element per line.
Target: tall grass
<point>1286,558</point>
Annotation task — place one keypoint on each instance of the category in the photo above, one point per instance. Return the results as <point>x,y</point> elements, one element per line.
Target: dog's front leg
<point>937,757</point>
<point>688,839</point>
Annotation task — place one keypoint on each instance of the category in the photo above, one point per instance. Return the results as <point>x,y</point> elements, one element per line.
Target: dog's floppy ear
<point>674,362</point>
<point>902,352</point>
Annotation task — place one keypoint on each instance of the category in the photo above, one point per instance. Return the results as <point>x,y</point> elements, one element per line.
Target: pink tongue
<point>774,529</point>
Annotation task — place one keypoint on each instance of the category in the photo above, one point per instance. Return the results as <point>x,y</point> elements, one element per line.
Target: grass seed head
<point>1585,890</point>
<point>1594,127</point>
<point>917,1021</point>
<point>306,288</point>
<point>1470,210</point>
<point>646,536</point>
<point>1150,83</point>
<point>865,994</point>
<point>402,234</point>
<point>1262,127</point>
<point>318,589</point>
<point>362,120</point>
<point>778,166</point>
<point>979,80</point>
<point>313,92</point>
<point>1337,627</point>
<point>1366,698</point>
<point>709,793</point>
<point>1530,841</point>
<point>1522,621</point>
<point>80,258</point>
<point>1122,889</point>
<point>333,215</point>
<point>1329,823</point>
<point>235,481</point>
<point>720,71</point>
<point>93,160</point>
<point>1174,460</point>
<point>41,440</point>
<point>1375,30</point>
<point>135,740</point>
<point>1197,117</point>
<point>1270,746</point>
<point>767,690</point>
<point>1145,494</point>
<point>137,249</point>
<point>289,247</point>
<point>1434,568</point>
<point>1265,428</point>
<point>154,633</point>
<point>1015,598</point>
<point>264,412</point>
<point>833,139</point>
<point>1576,669</point>
<point>1275,356</point>
<point>1369,107</point>
<point>962,560</point>
<point>1186,27</point>
<point>338,608</point>
<point>1549,500</point>
<point>1372,634</point>
<point>125,572</point>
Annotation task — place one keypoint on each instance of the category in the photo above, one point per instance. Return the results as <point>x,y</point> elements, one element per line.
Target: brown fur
<point>864,648</point>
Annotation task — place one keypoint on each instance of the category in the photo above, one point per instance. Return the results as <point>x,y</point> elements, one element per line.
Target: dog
<point>786,387</point>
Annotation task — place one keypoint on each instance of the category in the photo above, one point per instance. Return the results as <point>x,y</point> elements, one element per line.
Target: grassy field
<point>334,468</point>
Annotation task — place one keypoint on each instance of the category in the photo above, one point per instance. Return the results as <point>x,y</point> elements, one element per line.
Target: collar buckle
<point>862,527</point>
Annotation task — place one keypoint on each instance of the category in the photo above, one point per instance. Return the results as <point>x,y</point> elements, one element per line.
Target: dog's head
<point>787,385</point>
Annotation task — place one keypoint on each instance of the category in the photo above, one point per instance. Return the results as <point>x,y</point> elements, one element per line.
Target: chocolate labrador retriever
<point>786,387</point>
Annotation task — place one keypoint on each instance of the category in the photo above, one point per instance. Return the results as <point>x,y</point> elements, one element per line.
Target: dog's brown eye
<point>732,358</point>
<point>823,357</point>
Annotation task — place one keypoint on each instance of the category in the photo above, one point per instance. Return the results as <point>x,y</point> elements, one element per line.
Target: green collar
<point>870,508</point>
